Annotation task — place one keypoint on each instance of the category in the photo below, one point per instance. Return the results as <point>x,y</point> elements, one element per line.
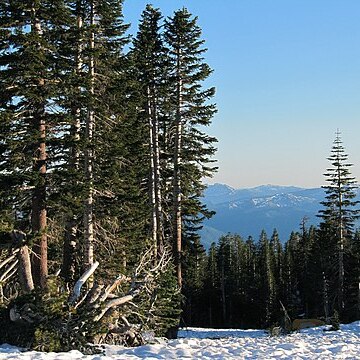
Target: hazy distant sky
<point>287,74</point>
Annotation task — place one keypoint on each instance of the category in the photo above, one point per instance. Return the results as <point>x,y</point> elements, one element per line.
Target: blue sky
<point>287,74</point>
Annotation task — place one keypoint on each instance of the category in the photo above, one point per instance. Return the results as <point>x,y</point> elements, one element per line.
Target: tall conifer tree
<point>338,215</point>
<point>189,109</point>
<point>28,60</point>
<point>150,61</point>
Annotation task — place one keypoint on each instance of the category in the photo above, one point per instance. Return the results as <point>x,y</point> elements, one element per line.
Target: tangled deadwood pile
<point>91,312</point>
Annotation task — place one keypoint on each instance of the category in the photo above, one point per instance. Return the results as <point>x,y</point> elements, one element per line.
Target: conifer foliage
<point>338,217</point>
<point>189,109</point>
<point>102,157</point>
<point>103,148</point>
<point>315,274</point>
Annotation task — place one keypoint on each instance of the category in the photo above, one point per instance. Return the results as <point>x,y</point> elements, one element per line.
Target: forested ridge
<point>103,153</point>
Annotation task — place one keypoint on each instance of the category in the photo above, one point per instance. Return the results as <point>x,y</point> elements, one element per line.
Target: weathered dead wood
<point>81,282</point>
<point>125,320</point>
<point>25,274</point>
<point>116,302</point>
<point>14,314</point>
<point>139,282</point>
<point>119,280</point>
<point>120,330</point>
<point>9,275</point>
<point>10,258</point>
<point>8,270</point>
<point>83,298</point>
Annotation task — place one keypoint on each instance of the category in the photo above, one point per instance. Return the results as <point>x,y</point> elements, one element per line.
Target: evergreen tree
<point>28,60</point>
<point>276,248</point>
<point>250,294</point>
<point>211,289</point>
<point>308,270</point>
<point>266,279</point>
<point>338,217</point>
<point>150,67</point>
<point>76,154</point>
<point>352,279</point>
<point>231,258</point>
<point>194,278</point>
<point>292,259</point>
<point>189,108</point>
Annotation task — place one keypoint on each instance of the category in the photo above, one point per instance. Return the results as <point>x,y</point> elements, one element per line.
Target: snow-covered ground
<point>195,343</point>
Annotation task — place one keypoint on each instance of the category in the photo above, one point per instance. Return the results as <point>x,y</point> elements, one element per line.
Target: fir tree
<point>189,108</point>
<point>150,66</point>
<point>28,58</point>
<point>338,215</point>
<point>211,289</point>
<point>266,276</point>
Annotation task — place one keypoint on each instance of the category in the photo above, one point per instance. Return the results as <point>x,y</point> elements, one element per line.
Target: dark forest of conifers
<point>103,154</point>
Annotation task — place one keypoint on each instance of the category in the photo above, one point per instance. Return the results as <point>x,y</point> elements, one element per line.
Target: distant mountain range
<point>249,211</point>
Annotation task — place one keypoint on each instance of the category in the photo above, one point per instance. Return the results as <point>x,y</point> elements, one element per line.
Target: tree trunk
<point>341,252</point>
<point>38,215</point>
<point>326,298</point>
<point>89,153</point>
<point>158,193</point>
<point>70,241</point>
<point>223,294</point>
<point>155,177</point>
<point>25,276</point>
<point>177,205</point>
<point>71,228</point>
<point>358,299</point>
<point>177,180</point>
<point>154,222</point>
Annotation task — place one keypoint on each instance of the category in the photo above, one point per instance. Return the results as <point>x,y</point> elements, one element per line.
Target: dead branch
<point>25,275</point>
<point>13,272</point>
<point>81,282</point>
<point>120,279</point>
<point>116,302</point>
<point>142,280</point>
<point>78,303</point>
<point>11,257</point>
<point>146,259</point>
<point>125,320</point>
<point>163,262</point>
<point>11,267</point>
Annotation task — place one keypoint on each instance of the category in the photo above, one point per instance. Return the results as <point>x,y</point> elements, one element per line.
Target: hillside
<point>248,211</point>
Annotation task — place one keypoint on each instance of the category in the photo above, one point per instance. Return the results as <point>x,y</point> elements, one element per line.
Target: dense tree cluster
<point>102,154</point>
<point>315,274</point>
<point>103,151</point>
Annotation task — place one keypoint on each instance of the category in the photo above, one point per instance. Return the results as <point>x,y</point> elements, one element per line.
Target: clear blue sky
<point>287,74</point>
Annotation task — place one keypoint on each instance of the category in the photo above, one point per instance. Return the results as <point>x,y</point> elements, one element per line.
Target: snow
<point>197,343</point>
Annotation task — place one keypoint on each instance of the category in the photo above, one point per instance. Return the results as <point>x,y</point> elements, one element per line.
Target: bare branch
<point>116,302</point>
<point>81,282</point>
<point>120,279</point>
<point>11,267</point>
<point>7,260</point>
<point>13,272</point>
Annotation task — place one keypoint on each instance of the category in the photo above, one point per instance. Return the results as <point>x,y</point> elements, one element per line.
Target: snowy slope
<point>195,343</point>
